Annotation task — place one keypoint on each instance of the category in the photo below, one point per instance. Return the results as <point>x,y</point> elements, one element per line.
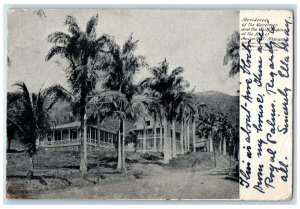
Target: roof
<point>139,124</point>
<point>76,124</point>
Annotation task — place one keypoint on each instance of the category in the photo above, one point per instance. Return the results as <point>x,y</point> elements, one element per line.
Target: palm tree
<point>28,116</point>
<point>83,52</point>
<point>225,130</point>
<point>206,126</point>
<point>121,69</point>
<point>198,115</point>
<point>156,116</point>
<point>155,113</point>
<point>233,54</point>
<point>165,87</point>
<point>181,114</point>
<point>138,106</point>
<point>187,109</point>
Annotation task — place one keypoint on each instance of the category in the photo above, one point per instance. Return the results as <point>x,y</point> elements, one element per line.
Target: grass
<point>59,170</point>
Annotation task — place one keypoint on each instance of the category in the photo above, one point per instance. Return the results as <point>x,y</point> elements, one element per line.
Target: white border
<point>213,4</point>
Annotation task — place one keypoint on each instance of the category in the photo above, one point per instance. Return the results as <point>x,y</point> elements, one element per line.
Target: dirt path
<point>165,184</point>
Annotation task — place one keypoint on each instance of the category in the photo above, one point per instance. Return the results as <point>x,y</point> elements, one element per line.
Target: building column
<point>69,135</point>
<point>144,139</point>
<point>90,134</point>
<point>174,140</point>
<point>194,134</point>
<point>61,135</point>
<point>53,136</point>
<point>188,135</point>
<point>160,138</point>
<point>184,135</point>
<point>98,127</point>
<point>154,137</point>
<point>69,139</point>
<point>181,137</point>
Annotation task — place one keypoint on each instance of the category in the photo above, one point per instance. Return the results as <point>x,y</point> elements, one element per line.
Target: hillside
<point>220,102</point>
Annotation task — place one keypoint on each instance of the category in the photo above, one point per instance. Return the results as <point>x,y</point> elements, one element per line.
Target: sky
<point>193,39</point>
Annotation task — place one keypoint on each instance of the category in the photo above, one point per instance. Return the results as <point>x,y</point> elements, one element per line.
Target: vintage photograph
<point>122,104</point>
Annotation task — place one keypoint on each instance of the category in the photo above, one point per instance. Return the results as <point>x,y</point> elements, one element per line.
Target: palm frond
<point>235,68</point>
<point>25,92</point>
<point>232,54</point>
<point>59,38</point>
<point>129,45</point>
<point>91,26</point>
<point>56,50</point>
<point>73,26</point>
<point>13,97</point>
<point>177,71</point>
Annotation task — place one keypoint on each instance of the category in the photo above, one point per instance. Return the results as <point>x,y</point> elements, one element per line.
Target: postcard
<point>152,104</point>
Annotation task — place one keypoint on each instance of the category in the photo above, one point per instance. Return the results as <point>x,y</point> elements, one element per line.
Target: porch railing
<point>74,142</point>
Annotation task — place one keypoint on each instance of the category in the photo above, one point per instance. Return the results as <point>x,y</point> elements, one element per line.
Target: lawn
<point>57,176</point>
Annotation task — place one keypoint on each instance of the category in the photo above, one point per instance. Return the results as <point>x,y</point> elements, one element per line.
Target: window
<point>106,137</point>
<point>73,134</point>
<point>157,130</point>
<point>88,133</point>
<point>57,135</point>
<point>101,136</point>
<point>93,133</point>
<point>148,123</point>
<point>162,130</point>
<point>49,138</point>
<point>115,137</point>
<point>109,137</point>
<point>140,132</point>
<point>140,145</point>
<point>149,144</point>
<point>149,131</point>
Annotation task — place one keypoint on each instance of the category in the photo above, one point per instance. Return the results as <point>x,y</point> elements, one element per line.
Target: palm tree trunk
<point>98,128</point>
<point>169,140</point>
<point>123,166</point>
<point>207,144</point>
<point>144,139</point>
<point>194,135</point>
<point>98,144</point>
<point>238,150</point>
<point>119,148</point>
<point>211,145</point>
<point>166,143</point>
<point>8,144</point>
<point>154,137</point>
<point>174,151</point>
<point>188,135</point>
<point>224,146</point>
<point>234,150</point>
<point>181,137</point>
<point>215,160</point>
<point>31,167</point>
<point>161,138</point>
<point>184,136</point>
<point>83,159</point>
